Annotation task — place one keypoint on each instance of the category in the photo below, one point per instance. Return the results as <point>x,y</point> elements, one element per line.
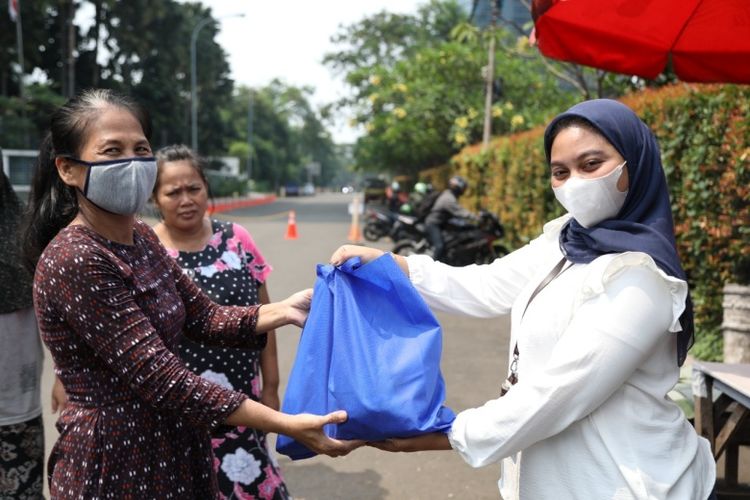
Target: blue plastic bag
<point>372,347</point>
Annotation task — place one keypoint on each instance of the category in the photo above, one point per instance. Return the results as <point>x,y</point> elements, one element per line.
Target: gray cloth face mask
<point>121,186</point>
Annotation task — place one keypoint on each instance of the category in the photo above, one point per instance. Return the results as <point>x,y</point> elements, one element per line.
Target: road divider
<point>229,203</point>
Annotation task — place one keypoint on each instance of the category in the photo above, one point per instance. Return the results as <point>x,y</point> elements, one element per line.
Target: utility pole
<point>21,71</point>
<point>71,49</point>
<point>19,44</point>
<point>97,34</point>
<point>487,133</point>
<point>194,76</point>
<point>250,135</point>
<point>193,83</point>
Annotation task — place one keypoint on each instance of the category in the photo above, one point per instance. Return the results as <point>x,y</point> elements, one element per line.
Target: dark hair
<point>180,152</point>
<point>571,121</point>
<point>52,203</point>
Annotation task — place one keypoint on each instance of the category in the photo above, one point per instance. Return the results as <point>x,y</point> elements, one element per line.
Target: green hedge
<point>704,134</point>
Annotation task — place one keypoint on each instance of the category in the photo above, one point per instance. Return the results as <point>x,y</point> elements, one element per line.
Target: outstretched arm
<point>233,326</point>
<point>426,442</point>
<point>366,254</point>
<point>290,311</point>
<point>304,428</point>
<point>269,363</point>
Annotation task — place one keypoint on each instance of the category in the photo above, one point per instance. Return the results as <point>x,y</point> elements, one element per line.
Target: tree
<point>420,109</point>
<point>384,39</point>
<point>124,48</point>
<point>288,134</point>
<point>311,139</point>
<point>271,140</point>
<point>21,120</point>
<point>156,70</point>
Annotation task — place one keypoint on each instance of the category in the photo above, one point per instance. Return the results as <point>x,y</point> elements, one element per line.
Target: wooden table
<point>723,420</point>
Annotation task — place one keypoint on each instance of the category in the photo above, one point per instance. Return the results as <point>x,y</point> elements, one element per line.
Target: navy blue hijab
<point>644,223</point>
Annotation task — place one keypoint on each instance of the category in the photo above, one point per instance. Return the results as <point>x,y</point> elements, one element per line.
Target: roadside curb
<point>227,204</point>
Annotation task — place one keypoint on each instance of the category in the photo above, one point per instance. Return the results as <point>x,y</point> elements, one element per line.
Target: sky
<point>287,40</point>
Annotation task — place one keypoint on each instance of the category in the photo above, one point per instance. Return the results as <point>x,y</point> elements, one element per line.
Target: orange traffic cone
<point>355,235</point>
<point>291,227</point>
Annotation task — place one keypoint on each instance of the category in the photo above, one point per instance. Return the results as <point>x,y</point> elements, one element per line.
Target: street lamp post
<point>250,135</point>
<point>487,132</point>
<point>193,77</point>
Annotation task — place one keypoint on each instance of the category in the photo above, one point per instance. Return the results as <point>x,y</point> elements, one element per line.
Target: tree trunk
<point>62,12</point>
<point>97,34</point>
<point>71,49</point>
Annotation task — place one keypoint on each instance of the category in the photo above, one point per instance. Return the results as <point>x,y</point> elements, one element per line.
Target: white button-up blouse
<point>589,418</point>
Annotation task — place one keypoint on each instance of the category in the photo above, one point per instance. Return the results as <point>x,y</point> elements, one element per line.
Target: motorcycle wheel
<point>409,247</point>
<point>397,235</point>
<point>371,233</point>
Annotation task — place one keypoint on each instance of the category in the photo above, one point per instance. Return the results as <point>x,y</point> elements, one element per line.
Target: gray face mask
<point>120,186</point>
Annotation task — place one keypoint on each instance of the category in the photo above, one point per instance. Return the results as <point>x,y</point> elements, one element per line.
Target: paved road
<point>474,354</point>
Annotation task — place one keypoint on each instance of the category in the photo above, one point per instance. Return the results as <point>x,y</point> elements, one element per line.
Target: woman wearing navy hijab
<point>601,320</point>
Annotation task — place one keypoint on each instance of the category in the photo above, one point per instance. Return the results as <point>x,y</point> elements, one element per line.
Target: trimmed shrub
<point>704,134</point>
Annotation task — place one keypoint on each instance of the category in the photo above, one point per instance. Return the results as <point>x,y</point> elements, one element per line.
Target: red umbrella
<point>706,40</point>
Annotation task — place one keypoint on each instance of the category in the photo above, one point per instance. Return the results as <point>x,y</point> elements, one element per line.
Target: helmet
<point>395,186</point>
<point>457,185</point>
<point>420,187</point>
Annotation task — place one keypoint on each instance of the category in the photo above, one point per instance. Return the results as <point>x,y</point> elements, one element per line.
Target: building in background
<point>513,14</point>
<point>18,165</point>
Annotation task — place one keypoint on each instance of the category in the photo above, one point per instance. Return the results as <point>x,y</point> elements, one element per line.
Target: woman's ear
<point>70,172</point>
<point>623,183</point>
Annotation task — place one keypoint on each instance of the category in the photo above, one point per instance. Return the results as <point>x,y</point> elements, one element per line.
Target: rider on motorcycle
<point>446,206</point>
<point>420,191</point>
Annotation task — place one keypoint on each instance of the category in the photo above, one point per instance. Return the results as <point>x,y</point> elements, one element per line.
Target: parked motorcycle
<point>388,223</point>
<point>377,224</point>
<point>407,227</point>
<point>465,242</point>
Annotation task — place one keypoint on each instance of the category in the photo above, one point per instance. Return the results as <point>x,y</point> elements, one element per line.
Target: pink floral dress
<point>230,269</point>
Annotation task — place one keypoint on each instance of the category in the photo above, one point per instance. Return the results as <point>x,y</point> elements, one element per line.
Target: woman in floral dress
<point>222,259</point>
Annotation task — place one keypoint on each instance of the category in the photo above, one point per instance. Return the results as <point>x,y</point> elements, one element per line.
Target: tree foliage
<point>384,38</point>
<point>704,138</point>
<point>422,105</point>
<point>142,47</point>
<point>287,134</point>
